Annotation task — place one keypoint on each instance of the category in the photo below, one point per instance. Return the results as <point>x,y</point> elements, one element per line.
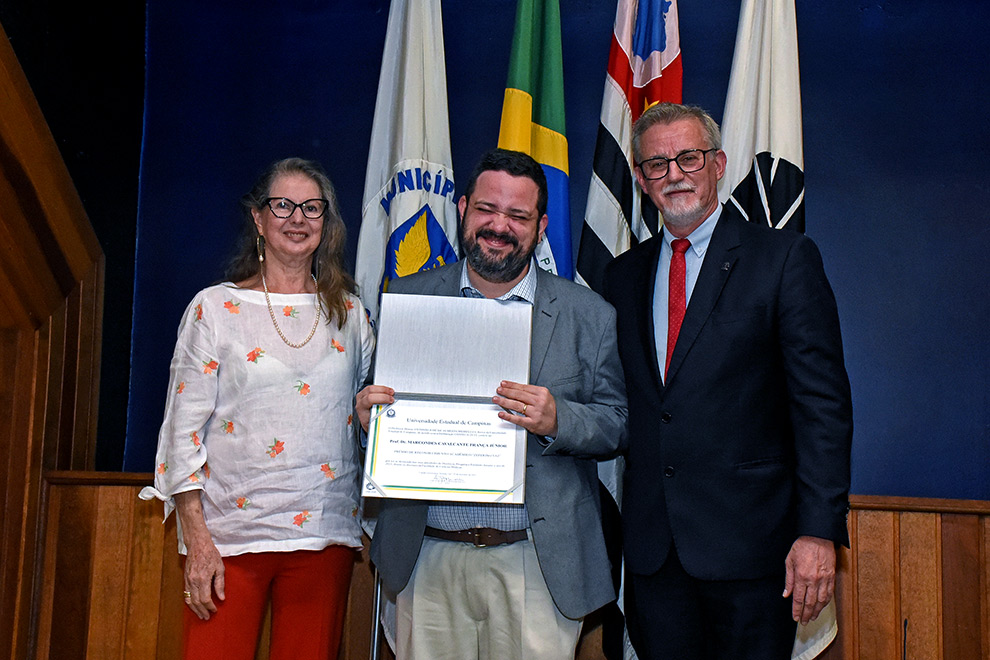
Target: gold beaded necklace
<point>271,312</point>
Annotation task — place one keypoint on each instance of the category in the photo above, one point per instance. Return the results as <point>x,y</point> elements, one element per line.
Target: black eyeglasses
<point>283,207</point>
<point>689,161</point>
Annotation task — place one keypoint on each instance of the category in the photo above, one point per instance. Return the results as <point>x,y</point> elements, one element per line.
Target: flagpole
<point>376,620</point>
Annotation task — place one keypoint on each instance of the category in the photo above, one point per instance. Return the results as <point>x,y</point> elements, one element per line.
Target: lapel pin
<point>725,266</point>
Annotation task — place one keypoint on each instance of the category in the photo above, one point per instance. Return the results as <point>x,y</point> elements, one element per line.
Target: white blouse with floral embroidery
<point>263,429</point>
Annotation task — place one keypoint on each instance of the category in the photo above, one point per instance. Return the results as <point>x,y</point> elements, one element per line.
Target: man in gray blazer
<point>504,580</point>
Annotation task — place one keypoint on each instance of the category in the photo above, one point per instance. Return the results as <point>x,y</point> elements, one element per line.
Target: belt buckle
<point>477,540</point>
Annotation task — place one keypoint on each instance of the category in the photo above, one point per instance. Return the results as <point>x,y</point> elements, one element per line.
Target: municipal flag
<point>409,214</point>
<point>761,126</point>
<point>644,68</point>
<point>533,120</point>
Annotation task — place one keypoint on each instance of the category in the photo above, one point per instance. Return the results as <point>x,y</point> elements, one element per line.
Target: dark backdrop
<point>896,146</point>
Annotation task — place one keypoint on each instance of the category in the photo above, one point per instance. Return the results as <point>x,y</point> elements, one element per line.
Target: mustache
<point>492,234</point>
<point>679,187</point>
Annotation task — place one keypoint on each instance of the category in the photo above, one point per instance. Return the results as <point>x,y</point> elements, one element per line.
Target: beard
<point>504,269</point>
<point>683,214</point>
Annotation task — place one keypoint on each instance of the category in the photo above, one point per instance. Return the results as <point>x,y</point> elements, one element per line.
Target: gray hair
<point>667,113</point>
<point>333,281</point>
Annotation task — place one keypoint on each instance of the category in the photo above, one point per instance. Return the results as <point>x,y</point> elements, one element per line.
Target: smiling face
<point>500,226</point>
<point>685,200</point>
<point>291,240</point>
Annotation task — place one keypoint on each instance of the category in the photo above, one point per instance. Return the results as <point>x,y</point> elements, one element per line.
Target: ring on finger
<point>524,409</point>
<point>186,595</point>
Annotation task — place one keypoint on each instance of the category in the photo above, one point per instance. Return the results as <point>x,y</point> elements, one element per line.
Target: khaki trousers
<point>468,603</point>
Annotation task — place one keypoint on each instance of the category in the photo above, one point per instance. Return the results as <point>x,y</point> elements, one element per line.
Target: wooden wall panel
<point>113,581</point>
<point>71,602</point>
<point>51,308</point>
<point>50,388</point>
<point>170,591</point>
<point>46,594</point>
<point>113,568</point>
<point>110,580</point>
<point>919,552</point>
<point>845,597</point>
<point>21,491</point>
<point>962,628</point>
<point>985,582</point>
<point>876,578</point>
<point>144,583</point>
<point>10,463</point>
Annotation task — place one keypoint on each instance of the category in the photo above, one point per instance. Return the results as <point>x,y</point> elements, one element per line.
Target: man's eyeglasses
<point>283,207</point>
<point>689,161</point>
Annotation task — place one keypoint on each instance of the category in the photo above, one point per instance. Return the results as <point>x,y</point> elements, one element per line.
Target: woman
<point>256,450</point>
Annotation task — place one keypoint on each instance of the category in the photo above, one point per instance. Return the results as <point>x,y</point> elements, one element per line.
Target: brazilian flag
<point>533,119</point>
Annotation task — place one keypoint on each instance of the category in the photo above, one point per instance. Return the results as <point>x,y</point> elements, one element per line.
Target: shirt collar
<point>701,235</point>
<point>524,290</point>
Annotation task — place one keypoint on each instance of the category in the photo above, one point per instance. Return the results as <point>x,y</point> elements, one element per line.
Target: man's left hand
<point>810,577</point>
<point>537,408</point>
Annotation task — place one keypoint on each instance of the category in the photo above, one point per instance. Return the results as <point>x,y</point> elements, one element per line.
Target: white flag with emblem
<point>761,126</point>
<point>764,175</point>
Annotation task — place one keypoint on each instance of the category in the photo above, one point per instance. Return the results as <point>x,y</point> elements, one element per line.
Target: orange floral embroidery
<point>199,312</point>
<point>206,470</point>
<point>290,311</point>
<point>195,439</point>
<point>243,502</point>
<point>227,425</point>
<point>232,307</point>
<point>276,448</point>
<point>194,477</point>
<point>301,518</point>
<point>350,419</point>
<point>302,388</point>
<point>210,367</point>
<point>329,472</point>
<point>181,387</point>
<point>354,512</point>
<point>162,468</point>
<point>336,344</point>
<point>350,303</point>
<point>254,355</point>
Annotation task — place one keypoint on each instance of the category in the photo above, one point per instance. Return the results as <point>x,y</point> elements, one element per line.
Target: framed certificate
<point>442,439</point>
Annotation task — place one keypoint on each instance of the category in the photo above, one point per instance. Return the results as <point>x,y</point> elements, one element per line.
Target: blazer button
<point>668,471</point>
<point>665,417</point>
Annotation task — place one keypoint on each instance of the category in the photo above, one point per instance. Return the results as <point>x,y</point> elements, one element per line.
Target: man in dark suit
<point>740,421</point>
<point>503,580</point>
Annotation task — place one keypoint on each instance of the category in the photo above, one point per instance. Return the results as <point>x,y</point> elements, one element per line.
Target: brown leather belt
<point>479,537</point>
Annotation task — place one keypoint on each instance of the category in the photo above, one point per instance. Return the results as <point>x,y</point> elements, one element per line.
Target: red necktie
<point>676,296</point>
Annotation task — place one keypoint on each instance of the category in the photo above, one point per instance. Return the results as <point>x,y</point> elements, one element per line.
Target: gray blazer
<point>574,355</point>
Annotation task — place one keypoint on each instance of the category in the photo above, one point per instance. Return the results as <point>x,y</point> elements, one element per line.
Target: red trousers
<point>308,591</point>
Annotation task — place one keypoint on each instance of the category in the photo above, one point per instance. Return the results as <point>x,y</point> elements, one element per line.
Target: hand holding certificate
<point>435,430</point>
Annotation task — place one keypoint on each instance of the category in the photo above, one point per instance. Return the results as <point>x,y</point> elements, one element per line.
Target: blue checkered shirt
<point>456,516</point>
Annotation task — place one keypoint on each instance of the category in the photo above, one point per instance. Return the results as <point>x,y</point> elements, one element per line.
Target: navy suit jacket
<point>573,354</point>
<point>747,446</point>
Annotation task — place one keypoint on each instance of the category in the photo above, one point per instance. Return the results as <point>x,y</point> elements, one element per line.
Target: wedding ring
<point>524,409</point>
<point>186,594</point>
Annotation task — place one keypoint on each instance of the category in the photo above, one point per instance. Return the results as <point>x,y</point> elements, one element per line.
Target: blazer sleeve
<point>818,394</point>
<point>591,418</point>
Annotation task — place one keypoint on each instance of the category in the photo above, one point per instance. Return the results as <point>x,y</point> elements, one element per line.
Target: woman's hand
<point>204,567</point>
<point>370,396</point>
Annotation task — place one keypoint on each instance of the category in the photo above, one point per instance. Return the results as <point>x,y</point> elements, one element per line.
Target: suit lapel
<point>449,281</point>
<point>644,287</point>
<point>544,320</point>
<point>715,270</point>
